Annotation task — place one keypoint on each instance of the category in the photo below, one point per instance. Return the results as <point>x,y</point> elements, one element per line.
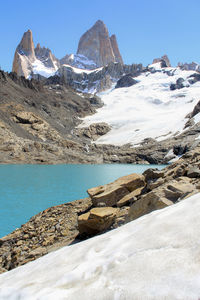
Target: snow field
<point>148,109</point>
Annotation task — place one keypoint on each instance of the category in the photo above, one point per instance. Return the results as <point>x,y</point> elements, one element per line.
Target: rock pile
<point>108,207</point>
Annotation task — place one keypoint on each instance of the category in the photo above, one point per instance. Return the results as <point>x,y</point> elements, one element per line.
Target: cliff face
<point>97,46</point>
<point>24,55</point>
<point>118,57</point>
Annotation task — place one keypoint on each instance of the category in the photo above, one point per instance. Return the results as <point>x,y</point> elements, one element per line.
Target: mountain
<point>97,46</point>
<point>95,49</point>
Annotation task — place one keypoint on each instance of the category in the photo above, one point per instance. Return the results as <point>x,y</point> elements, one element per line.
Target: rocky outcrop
<point>94,131</point>
<point>110,194</point>
<point>98,80</point>
<point>189,66</point>
<point>96,220</point>
<point>164,60</point>
<point>53,228</point>
<point>98,47</point>
<point>46,57</point>
<point>125,81</point>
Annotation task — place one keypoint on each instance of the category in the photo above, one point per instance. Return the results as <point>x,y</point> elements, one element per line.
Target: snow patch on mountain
<point>154,257</point>
<point>149,109</point>
<point>39,68</point>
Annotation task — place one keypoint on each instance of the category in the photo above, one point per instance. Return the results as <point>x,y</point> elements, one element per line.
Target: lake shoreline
<point>106,208</point>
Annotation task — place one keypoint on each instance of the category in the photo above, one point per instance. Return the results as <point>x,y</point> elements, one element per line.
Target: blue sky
<point>145,29</point>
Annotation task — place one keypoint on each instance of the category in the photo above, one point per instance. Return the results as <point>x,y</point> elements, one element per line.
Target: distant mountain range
<point>95,49</point>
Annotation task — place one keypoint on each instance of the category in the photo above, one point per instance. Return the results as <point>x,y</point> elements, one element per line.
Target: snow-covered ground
<point>155,257</point>
<point>149,109</point>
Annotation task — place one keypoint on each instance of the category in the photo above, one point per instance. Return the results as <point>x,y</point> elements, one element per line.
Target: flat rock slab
<point>111,193</point>
<point>97,220</point>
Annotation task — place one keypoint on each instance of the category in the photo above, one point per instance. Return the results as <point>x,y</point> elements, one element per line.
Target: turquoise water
<point>25,190</point>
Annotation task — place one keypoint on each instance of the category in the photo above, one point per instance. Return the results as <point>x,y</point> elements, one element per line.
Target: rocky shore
<point>107,207</point>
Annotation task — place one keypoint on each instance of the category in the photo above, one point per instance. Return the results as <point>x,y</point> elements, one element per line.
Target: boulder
<point>94,131</point>
<point>152,174</point>
<point>193,172</point>
<point>147,204</point>
<point>125,81</point>
<point>111,193</point>
<point>96,220</point>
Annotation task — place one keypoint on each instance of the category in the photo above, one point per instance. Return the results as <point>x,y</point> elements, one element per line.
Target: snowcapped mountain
<point>156,106</point>
<point>154,257</point>
<point>95,49</point>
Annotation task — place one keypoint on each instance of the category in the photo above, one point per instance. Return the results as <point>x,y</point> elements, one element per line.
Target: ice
<point>154,257</point>
<point>148,109</point>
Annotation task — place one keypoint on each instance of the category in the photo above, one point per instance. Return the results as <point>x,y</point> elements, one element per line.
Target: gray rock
<point>193,172</point>
<point>125,81</point>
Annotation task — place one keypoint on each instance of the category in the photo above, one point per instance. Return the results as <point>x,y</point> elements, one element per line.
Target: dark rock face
<point>178,85</point>
<point>194,78</point>
<point>189,66</point>
<point>125,81</point>
<point>97,46</point>
<point>98,80</point>
<point>196,110</point>
<point>180,149</point>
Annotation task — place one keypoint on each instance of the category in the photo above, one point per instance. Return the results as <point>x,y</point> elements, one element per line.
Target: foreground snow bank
<point>154,257</point>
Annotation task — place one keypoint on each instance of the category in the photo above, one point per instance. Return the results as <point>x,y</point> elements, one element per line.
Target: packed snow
<point>41,69</point>
<point>148,109</point>
<point>78,70</point>
<point>155,257</point>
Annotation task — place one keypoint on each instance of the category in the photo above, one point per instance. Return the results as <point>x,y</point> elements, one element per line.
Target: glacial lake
<point>25,190</point>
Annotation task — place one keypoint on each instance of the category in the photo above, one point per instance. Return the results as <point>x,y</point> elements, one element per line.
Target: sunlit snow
<point>155,257</point>
<point>148,109</point>
<point>79,70</point>
<point>41,69</point>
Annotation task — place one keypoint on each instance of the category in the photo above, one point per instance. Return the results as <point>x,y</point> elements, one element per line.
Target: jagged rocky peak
<point>24,55</point>
<point>29,60</point>
<point>26,46</point>
<point>46,57</point>
<point>164,61</point>
<point>97,46</point>
<point>193,66</point>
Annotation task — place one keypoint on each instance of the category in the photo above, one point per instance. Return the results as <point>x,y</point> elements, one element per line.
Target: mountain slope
<point>153,257</point>
<point>157,106</point>
<point>37,121</point>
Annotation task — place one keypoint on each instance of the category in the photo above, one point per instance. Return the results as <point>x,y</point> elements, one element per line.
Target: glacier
<point>148,109</point>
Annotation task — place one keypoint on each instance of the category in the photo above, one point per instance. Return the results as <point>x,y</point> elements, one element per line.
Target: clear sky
<point>145,29</point>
